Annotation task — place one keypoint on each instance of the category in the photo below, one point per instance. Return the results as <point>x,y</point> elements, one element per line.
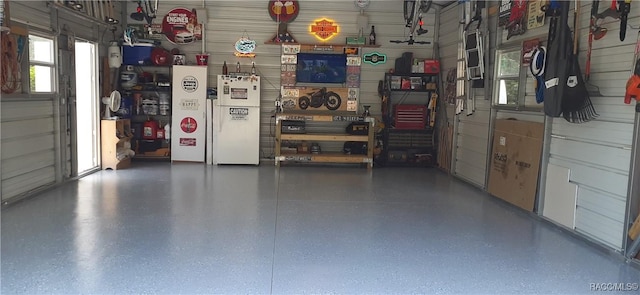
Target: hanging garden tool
<point>612,11</point>
<point>592,29</point>
<point>633,84</point>
<point>565,92</point>
<point>633,87</point>
<point>624,7</point>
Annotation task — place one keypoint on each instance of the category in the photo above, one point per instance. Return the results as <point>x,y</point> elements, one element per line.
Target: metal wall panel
<point>30,128</point>
<point>31,12</point>
<point>472,131</point>
<point>471,159</point>
<point>227,21</point>
<point>448,42</point>
<point>598,153</point>
<point>27,144</point>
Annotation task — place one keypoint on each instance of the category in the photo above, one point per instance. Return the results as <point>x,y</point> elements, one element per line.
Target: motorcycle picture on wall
<point>320,97</point>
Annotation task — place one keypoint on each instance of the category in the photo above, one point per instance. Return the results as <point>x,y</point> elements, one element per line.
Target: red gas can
<point>150,129</point>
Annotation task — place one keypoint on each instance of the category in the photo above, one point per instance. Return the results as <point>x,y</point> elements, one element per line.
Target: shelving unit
<point>325,157</point>
<point>157,149</point>
<point>116,139</point>
<point>408,138</point>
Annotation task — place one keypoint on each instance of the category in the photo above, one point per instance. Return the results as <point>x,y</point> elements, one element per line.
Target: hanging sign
<point>245,47</point>
<point>528,47</point>
<point>324,29</point>
<point>187,142</point>
<point>283,12</point>
<point>535,15</point>
<point>239,113</point>
<point>375,58</point>
<point>505,12</point>
<point>188,125</point>
<point>189,84</point>
<point>181,26</point>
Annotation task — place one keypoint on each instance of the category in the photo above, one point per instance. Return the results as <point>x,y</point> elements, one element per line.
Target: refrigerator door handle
<point>220,119</point>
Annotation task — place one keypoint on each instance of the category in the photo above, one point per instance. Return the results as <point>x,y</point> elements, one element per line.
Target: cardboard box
<point>515,161</point>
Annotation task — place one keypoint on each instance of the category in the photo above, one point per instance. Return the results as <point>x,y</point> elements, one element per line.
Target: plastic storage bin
<point>138,54</point>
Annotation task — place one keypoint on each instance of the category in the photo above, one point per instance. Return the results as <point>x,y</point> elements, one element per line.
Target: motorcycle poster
<point>319,98</point>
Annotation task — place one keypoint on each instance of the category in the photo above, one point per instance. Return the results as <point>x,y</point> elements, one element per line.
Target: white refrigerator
<point>236,118</point>
<point>188,118</point>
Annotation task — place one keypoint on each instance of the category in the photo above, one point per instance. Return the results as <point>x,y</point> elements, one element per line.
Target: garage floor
<point>189,228</point>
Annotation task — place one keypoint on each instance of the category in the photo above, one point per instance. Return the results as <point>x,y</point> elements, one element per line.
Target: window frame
<point>522,82</point>
<point>51,65</point>
<point>499,78</point>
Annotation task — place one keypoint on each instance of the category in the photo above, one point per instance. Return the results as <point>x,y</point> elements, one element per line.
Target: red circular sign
<point>284,11</point>
<point>188,125</point>
<point>181,26</point>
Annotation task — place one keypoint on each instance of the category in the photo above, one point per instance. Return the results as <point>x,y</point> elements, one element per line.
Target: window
<point>508,78</point>
<point>41,64</point>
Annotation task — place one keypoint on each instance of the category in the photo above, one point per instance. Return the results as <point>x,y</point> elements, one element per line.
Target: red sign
<point>187,142</point>
<point>188,125</point>
<point>527,50</point>
<point>324,29</point>
<point>181,26</point>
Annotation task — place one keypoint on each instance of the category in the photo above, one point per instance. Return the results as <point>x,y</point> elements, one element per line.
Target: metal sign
<point>181,26</point>
<point>239,113</point>
<point>324,29</point>
<point>375,58</point>
<point>245,47</point>
<point>188,125</point>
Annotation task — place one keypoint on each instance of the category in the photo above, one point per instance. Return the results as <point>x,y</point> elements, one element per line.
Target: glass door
<point>87,107</point>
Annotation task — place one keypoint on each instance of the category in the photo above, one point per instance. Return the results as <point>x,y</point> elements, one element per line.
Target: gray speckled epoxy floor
<point>190,228</point>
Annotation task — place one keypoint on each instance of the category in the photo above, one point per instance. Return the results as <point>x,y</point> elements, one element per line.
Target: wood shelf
<point>318,116</point>
<point>324,137</point>
<point>324,157</point>
<point>112,144</point>
<point>152,157</point>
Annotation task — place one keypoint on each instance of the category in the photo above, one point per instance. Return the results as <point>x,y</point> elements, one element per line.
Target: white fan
<point>112,104</point>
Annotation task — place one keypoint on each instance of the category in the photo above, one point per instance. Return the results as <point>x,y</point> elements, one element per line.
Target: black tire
<point>333,101</point>
<point>303,102</point>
